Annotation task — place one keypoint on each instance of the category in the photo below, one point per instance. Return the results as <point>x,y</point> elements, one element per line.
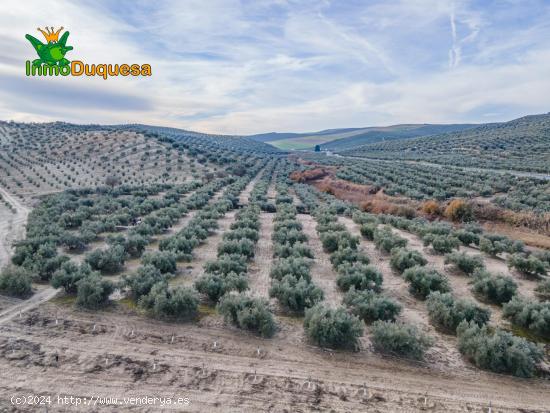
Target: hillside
<point>339,139</point>
<point>373,135</point>
<point>520,144</point>
<point>41,158</point>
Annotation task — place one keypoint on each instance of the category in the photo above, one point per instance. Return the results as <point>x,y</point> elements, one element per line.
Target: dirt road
<point>12,226</point>
<point>221,370</point>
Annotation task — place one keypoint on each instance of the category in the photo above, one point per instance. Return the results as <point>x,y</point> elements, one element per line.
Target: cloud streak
<point>241,67</point>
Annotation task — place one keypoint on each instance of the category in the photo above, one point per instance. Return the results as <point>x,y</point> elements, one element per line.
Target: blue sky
<point>242,67</point>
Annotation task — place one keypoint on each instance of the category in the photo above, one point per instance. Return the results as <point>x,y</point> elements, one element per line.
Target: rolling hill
<point>341,139</point>
<point>521,144</point>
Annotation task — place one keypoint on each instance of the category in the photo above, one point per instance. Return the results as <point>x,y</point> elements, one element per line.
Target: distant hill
<point>373,135</point>
<point>340,139</point>
<point>520,144</point>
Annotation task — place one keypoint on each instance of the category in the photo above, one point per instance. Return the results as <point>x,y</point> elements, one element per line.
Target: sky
<point>245,67</point>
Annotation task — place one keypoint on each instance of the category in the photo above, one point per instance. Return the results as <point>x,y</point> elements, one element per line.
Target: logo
<point>52,61</point>
<point>53,52</point>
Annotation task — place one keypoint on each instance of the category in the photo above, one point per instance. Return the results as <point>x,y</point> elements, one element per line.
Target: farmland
<point>152,261</point>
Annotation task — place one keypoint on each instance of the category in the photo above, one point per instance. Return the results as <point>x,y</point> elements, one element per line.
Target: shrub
<point>247,313</point>
<point>447,312</point>
<point>15,281</point>
<point>73,242</point>
<point>333,240</point>
<point>93,292</point>
<point>242,247</point>
<point>467,237</point>
<point>295,294</point>
<point>226,264</point>
<point>500,351</point>
<point>402,258</point>
<point>347,255</point>
<point>142,281</point>
<point>496,289</point>
<point>543,290</point>
<point>464,262</point>
<point>370,306</point>
<point>107,261</point>
<point>425,280</point>
<point>296,251</point>
<point>297,267</point>
<point>334,328</point>
<point>443,244</point>
<point>242,233</point>
<point>492,248</point>
<point>360,276</point>
<point>386,240</point>
<point>135,245</point>
<point>289,236</point>
<point>216,285</point>
<point>544,256</point>
<point>69,275</point>
<point>533,316</point>
<point>179,303</point>
<point>165,261</point>
<point>431,207</point>
<point>459,210</point>
<point>367,230</point>
<point>402,339</point>
<point>530,266</point>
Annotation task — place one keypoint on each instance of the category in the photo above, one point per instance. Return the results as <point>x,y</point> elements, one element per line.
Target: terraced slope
<point>521,144</point>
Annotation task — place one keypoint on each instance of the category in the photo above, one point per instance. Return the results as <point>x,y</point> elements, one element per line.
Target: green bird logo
<point>53,51</point>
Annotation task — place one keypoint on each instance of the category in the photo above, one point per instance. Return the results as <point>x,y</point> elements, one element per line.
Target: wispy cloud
<point>228,66</point>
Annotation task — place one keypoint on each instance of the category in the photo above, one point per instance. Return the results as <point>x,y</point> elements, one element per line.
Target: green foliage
<point>423,280</point>
<point>402,258</point>
<point>107,261</point>
<point>467,237</point>
<point>247,313</point>
<point>295,251</point>
<point>242,247</point>
<point>215,285</point>
<point>333,328</point>
<point>402,339</point>
<point>347,256</point>
<point>334,240</point>
<point>140,283</point>
<point>441,244</point>
<point>497,289</point>
<point>498,351</point>
<point>226,264</point>
<point>15,281</point>
<point>93,292</point>
<point>165,261</point>
<point>530,266</point>
<point>447,312</point>
<point>531,315</point>
<point>178,303</point>
<point>297,267</point>
<point>386,240</point>
<point>464,262</point>
<point>69,275</point>
<point>295,294</point>
<point>359,276</point>
<point>370,306</point>
<point>367,230</point>
<point>543,289</point>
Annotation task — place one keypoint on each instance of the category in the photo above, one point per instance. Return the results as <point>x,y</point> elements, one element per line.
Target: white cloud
<point>232,67</point>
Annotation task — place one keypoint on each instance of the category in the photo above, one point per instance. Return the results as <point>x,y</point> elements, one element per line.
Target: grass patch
<point>526,334</point>
<point>128,303</point>
<point>64,300</point>
<point>206,310</point>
